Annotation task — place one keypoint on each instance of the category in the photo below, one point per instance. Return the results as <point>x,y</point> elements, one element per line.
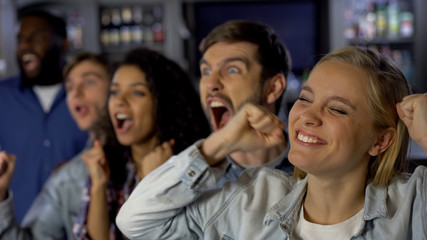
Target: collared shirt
<point>54,210</point>
<point>176,201</point>
<point>39,140</point>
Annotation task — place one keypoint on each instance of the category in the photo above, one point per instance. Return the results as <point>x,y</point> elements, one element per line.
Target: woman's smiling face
<point>331,129</point>
<point>131,106</point>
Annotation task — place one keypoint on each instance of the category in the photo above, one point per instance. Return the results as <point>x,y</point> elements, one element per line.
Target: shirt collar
<point>287,209</point>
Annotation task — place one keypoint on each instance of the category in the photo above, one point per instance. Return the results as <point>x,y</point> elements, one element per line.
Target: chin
<point>125,141</point>
<point>84,126</point>
<point>298,160</point>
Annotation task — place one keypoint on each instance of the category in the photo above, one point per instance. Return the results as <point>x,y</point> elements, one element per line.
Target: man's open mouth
<point>30,62</point>
<point>81,110</point>
<point>221,114</point>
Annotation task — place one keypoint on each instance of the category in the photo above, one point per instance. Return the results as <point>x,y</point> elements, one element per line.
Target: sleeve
<point>42,221</point>
<point>161,206</point>
<point>9,228</point>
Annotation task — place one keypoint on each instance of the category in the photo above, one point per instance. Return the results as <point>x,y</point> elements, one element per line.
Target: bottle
<point>406,24</point>
<point>115,26</point>
<point>393,19</point>
<point>136,28</point>
<point>158,25</point>
<point>148,29</point>
<point>125,28</point>
<point>381,20</point>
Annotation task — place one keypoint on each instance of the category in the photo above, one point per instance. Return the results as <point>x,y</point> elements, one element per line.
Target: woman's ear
<point>275,88</point>
<point>384,140</point>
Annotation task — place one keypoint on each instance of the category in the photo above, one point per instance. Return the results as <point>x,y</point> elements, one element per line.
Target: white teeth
<point>306,139</point>
<point>28,57</point>
<point>122,116</point>
<point>216,104</point>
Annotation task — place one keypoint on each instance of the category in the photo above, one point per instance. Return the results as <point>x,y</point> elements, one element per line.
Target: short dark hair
<point>177,111</point>
<point>57,24</point>
<point>272,54</point>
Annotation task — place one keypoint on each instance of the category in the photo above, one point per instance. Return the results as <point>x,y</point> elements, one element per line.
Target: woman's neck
<point>334,200</point>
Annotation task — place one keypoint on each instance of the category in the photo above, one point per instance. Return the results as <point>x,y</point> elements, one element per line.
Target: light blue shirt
<point>55,209</point>
<point>178,201</point>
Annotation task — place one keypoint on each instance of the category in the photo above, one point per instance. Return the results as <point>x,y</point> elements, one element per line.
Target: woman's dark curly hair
<point>177,111</point>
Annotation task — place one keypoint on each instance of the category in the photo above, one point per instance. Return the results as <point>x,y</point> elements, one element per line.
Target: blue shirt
<point>39,140</point>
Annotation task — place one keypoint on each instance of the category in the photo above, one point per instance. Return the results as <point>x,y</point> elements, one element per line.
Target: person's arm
<point>161,206</point>
<point>98,221</point>
<point>7,166</point>
<point>44,220</point>
<point>413,112</point>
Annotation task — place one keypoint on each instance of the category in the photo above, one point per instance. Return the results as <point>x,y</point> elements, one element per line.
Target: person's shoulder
<point>265,174</point>
<point>73,170</point>
<point>419,174</point>
<point>256,181</point>
<point>11,82</point>
<point>406,184</point>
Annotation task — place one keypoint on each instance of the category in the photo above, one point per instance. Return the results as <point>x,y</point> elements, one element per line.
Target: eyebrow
<point>228,60</point>
<point>132,84</point>
<point>85,74</point>
<point>332,98</point>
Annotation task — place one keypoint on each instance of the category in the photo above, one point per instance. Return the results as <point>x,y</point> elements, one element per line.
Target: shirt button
<point>191,173</point>
<point>46,143</point>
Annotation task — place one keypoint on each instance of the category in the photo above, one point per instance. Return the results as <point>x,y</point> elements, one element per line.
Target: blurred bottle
<point>148,23</point>
<point>114,30</point>
<point>370,28</point>
<point>406,24</point>
<point>381,20</point>
<point>393,19</point>
<point>105,25</point>
<point>158,23</point>
<point>75,29</point>
<point>125,28</point>
<point>137,29</point>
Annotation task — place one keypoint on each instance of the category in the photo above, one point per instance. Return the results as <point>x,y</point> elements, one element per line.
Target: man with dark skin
<point>35,124</point>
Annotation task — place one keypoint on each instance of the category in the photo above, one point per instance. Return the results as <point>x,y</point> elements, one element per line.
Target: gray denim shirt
<point>53,212</point>
<point>179,201</point>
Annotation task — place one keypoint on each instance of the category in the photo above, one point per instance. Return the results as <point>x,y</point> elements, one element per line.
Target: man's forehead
<point>230,51</point>
<point>34,23</point>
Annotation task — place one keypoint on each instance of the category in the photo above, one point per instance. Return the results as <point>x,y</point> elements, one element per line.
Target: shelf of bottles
<point>127,27</point>
<point>386,25</point>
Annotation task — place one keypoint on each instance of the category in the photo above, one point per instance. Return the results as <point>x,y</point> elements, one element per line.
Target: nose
<point>311,117</point>
<point>213,82</point>
<point>23,43</point>
<point>118,100</point>
<point>76,91</point>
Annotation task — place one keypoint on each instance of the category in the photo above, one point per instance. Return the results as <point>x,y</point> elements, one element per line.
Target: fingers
<point>96,163</point>
<point>95,154</point>
<point>262,120</point>
<point>7,163</point>
<point>157,157</point>
<point>165,150</point>
<point>97,144</point>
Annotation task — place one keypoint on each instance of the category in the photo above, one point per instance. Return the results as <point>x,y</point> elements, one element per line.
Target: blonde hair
<point>387,86</point>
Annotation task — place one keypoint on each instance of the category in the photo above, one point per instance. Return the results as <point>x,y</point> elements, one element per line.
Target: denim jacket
<point>54,210</point>
<point>179,201</point>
